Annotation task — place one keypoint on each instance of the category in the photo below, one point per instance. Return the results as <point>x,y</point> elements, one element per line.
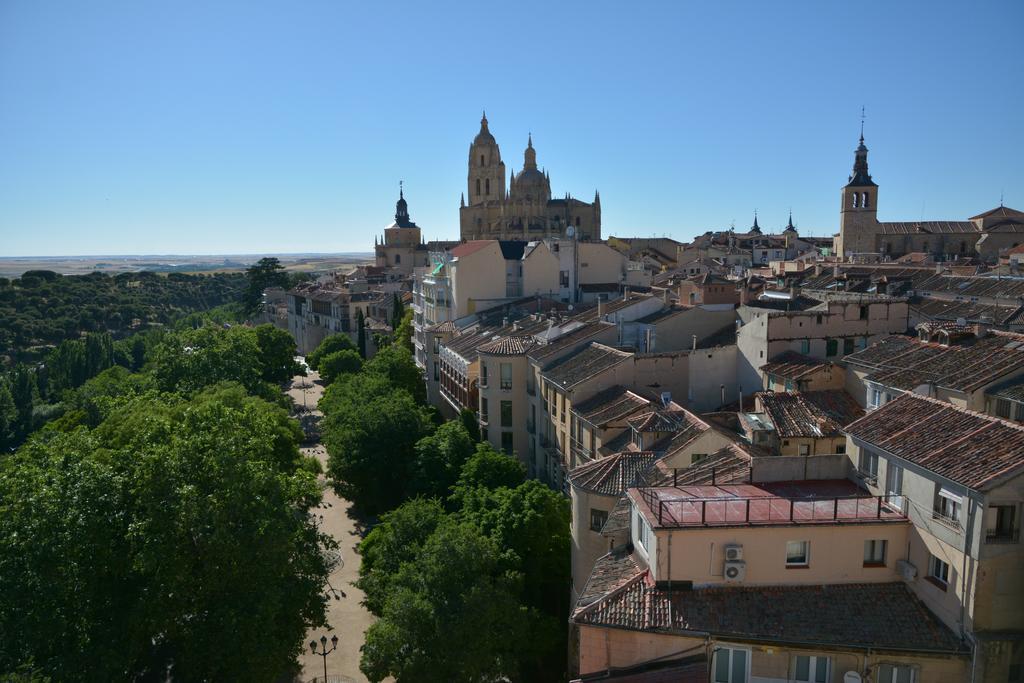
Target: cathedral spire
<point>402,209</point>
<point>755,227</point>
<point>860,176</point>
<point>530,155</point>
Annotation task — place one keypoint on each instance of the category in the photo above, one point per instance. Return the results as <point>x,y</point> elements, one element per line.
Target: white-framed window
<point>810,669</point>
<point>732,665</point>
<point>483,375</point>
<point>868,465</point>
<point>947,507</point>
<point>938,571</point>
<point>643,531</point>
<point>896,673</point>
<point>798,553</point>
<point>874,553</point>
<point>894,485</point>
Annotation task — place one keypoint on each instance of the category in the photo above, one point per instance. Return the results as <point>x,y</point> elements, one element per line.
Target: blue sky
<point>245,127</point>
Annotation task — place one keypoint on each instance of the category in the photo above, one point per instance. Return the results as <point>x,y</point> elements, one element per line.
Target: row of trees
<point>163,520</point>
<point>468,570</point>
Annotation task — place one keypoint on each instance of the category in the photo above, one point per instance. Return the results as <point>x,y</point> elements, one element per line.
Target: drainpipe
<point>968,531</point>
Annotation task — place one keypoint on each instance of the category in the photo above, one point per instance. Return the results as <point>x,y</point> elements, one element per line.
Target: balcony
<point>946,521</point>
<point>732,508</point>
<point>1002,535</point>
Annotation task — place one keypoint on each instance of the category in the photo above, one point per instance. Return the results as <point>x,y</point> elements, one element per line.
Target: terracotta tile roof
<point>1001,211</point>
<point>660,420</point>
<point>811,414</point>
<point>585,363</point>
<point>611,572</point>
<point>614,403</point>
<point>876,616</point>
<point>687,428</point>
<point>613,474</point>
<point>1012,389</point>
<point>446,326</point>
<point>969,448</point>
<point>729,465</point>
<point>473,246</point>
<point>793,365</point>
<point>508,346</point>
<point>543,353</point>
<point>905,362</point>
<point>927,227</point>
<point>618,518</point>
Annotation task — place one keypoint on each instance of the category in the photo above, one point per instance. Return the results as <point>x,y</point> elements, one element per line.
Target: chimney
<point>694,342</point>
<point>600,308</point>
<point>981,328</point>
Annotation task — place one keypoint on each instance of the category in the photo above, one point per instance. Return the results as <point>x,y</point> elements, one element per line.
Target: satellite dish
<point>570,231</point>
<point>851,677</point>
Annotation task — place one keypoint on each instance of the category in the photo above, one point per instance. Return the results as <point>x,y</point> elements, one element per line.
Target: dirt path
<point>347,617</point>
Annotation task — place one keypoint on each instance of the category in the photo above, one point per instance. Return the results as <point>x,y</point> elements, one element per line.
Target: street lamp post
<point>323,650</point>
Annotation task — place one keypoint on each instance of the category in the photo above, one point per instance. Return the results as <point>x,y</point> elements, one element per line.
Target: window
<point>643,531</point>
<point>483,375</point>
<point>506,376</point>
<point>840,448</point>
<point>1002,523</point>
<point>811,669</point>
<point>863,312</point>
<point>818,319</point>
<point>798,553</point>
<point>563,409</point>
<point>894,673</point>
<point>506,413</point>
<point>437,374</point>
<point>597,519</point>
<point>483,410</point>
<point>894,485</point>
<point>730,665</point>
<point>805,449</point>
<point>938,572</point>
<point>478,188</point>
<point>697,457</point>
<point>862,343</point>
<point>487,187</point>
<point>831,347</point>
<point>437,344</point>
<point>874,553</point>
<point>805,346</point>
<point>506,442</point>
<point>947,507</point>
<point>848,345</point>
<point>398,259</point>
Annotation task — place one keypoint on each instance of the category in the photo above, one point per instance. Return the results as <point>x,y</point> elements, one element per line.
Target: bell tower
<point>486,170</point>
<point>858,214</point>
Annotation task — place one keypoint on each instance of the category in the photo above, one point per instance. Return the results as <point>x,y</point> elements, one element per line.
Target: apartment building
<point>948,361</point>
<point>802,423</point>
<point>331,304</point>
<point>828,329</point>
<point>958,475</point>
<point>783,581</point>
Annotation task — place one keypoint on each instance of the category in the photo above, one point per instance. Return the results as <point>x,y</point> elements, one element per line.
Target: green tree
<point>404,331</point>
<point>470,422</point>
<point>68,366</point>
<point>267,272</point>
<point>8,418</point>
<point>371,447</point>
<point>396,540</point>
<point>439,460</point>
<point>339,363</point>
<point>361,332</point>
<point>192,359</point>
<point>99,353</point>
<point>92,402</point>
<point>397,311</point>
<point>451,615</point>
<point>330,344</point>
<point>24,394</point>
<point>397,364</point>
<point>489,469</point>
<point>152,546</point>
<point>277,354</point>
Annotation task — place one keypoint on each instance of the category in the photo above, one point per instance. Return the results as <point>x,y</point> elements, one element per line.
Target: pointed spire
<point>755,227</point>
<point>862,124</point>
<point>462,200</point>
<point>597,198</point>
<point>860,176</point>
<point>789,225</point>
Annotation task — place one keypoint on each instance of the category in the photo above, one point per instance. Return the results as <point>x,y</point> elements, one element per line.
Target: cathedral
<point>526,211</point>
<point>860,232</point>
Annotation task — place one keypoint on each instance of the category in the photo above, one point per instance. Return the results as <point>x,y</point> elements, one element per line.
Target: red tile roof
<point>729,465</point>
<point>467,248</point>
<point>793,365</point>
<point>614,403</point>
<point>905,362</point>
<point>876,616</point>
<point>508,346</point>
<point>613,474</point>
<point>969,448</point>
<point>811,414</point>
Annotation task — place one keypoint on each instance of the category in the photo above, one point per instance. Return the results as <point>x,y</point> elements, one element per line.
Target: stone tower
<point>486,170</point>
<point>858,215</point>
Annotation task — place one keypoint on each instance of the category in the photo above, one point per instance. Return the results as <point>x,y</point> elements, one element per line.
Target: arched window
<point>487,183</point>
<point>864,200</point>
<point>856,199</point>
<point>481,159</point>
<point>478,186</point>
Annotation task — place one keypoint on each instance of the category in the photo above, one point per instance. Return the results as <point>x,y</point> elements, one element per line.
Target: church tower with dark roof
<point>858,214</point>
<point>486,169</point>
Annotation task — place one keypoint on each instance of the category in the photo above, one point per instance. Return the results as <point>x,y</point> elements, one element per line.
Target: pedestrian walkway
<point>345,614</point>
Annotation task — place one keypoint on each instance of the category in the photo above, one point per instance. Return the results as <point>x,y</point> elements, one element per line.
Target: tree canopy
<point>267,272</point>
<point>334,365</point>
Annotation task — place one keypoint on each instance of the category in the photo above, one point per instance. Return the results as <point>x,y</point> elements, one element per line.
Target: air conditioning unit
<point>906,570</point>
<point>735,571</point>
<point>733,552</point>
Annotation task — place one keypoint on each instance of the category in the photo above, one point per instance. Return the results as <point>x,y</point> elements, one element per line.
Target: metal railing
<point>682,512</point>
